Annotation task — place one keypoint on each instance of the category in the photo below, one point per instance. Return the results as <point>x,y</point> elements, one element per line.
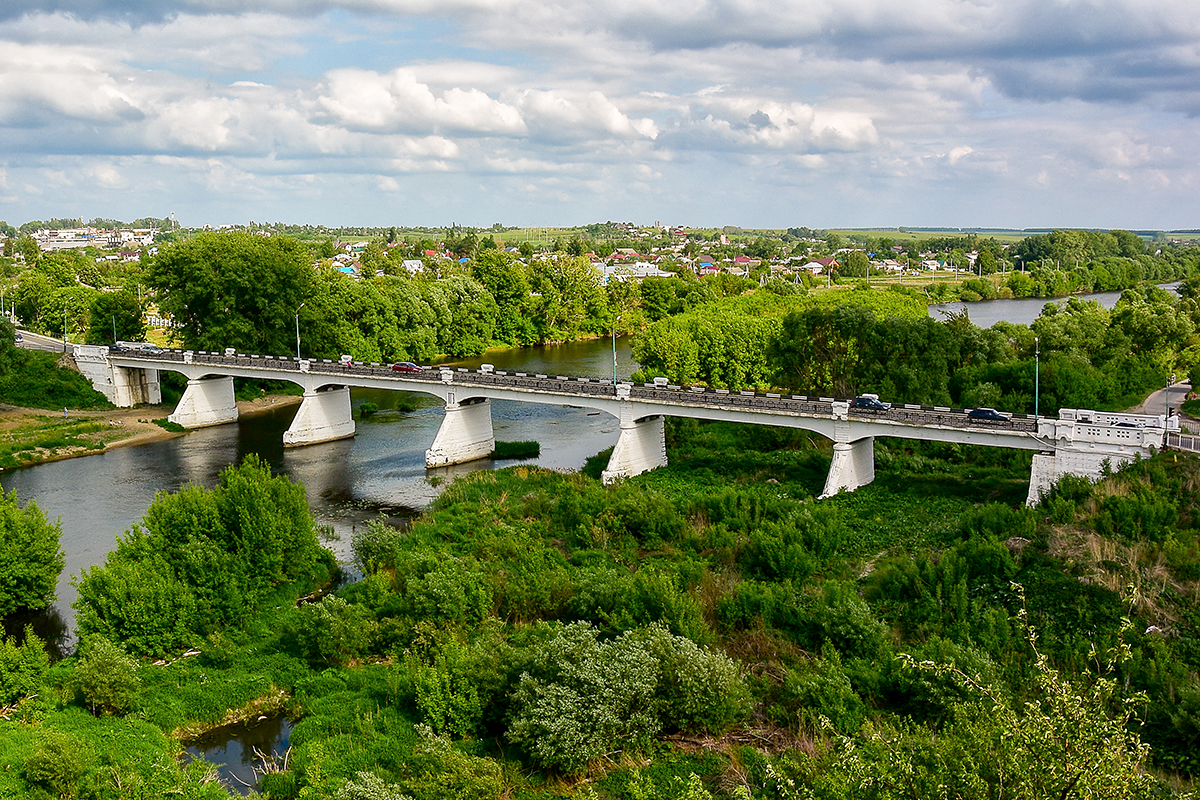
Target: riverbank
<point>31,436</point>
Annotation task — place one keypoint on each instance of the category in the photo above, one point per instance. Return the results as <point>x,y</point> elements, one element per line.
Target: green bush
<point>823,690</point>
<point>30,556</point>
<point>107,677</point>
<point>332,631</point>
<point>377,546</point>
<point>581,698</point>
<point>22,667</point>
<point>365,786</point>
<point>445,689</point>
<point>59,763</point>
<point>201,560</point>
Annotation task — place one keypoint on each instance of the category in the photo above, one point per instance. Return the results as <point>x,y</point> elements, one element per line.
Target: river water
<point>381,471</point>
<point>987,313</point>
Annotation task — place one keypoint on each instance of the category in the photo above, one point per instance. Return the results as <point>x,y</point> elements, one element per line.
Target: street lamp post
<point>1037,375</point>
<point>614,344</point>
<point>302,305</point>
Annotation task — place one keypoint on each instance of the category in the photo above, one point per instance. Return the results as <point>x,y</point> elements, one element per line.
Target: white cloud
<point>396,101</point>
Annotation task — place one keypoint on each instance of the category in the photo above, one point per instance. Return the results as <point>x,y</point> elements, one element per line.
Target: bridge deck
<point>897,421</point>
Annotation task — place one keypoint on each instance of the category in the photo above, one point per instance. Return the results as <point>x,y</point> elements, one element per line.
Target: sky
<point>755,113</point>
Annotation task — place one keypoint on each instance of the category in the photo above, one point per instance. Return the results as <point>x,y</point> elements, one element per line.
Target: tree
<point>30,556</point>
<point>22,667</point>
<point>116,317</point>
<point>234,290</point>
<point>857,265</point>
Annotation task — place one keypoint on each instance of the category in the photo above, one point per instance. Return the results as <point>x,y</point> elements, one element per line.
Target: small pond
<point>235,750</point>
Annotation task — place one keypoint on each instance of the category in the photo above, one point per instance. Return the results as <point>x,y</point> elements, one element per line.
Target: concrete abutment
<point>642,446</point>
<point>853,465</point>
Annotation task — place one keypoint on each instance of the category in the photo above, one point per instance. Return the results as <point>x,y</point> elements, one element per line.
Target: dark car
<point>989,414</point>
<point>869,402</point>
<point>1127,424</point>
<point>405,366</point>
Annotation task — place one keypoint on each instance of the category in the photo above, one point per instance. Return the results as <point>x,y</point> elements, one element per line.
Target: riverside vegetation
<point>704,630</point>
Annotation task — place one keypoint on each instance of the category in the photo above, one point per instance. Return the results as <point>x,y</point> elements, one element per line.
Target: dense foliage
<point>30,556</point>
<point>33,379</point>
<point>1088,357</point>
<point>201,561</point>
<point>727,343</point>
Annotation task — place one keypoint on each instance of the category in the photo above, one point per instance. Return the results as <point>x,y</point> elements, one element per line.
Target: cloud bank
<point>800,112</point>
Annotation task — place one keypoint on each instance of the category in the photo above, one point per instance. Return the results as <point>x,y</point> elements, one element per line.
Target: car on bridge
<point>987,414</point>
<point>869,402</point>
<point>406,366</point>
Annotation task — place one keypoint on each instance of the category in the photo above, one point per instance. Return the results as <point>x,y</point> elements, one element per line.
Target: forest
<point>1086,356</point>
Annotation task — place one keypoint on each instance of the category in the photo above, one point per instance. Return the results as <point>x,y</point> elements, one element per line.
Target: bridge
<point>1078,442</point>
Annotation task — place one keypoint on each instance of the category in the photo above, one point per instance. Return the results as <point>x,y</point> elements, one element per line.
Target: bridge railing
<point>1184,441</point>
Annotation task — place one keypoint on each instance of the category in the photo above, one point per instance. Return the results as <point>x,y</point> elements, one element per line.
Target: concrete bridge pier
<point>853,462</point>
<point>465,435</point>
<point>324,416</point>
<point>206,401</point>
<point>641,447</point>
<point>853,466</point>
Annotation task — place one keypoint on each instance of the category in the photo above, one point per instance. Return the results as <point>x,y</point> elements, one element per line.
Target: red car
<point>405,366</point>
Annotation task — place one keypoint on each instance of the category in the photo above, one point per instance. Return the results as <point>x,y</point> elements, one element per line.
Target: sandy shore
<point>124,427</point>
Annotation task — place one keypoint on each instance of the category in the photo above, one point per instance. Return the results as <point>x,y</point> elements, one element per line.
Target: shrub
<point>440,771</point>
<point>582,698</point>
<point>22,667</point>
<point>444,684</point>
<point>824,690</point>
<point>332,631</point>
<point>368,786</point>
<point>377,546</point>
<point>59,762</point>
<point>30,556</point>
<point>107,677</point>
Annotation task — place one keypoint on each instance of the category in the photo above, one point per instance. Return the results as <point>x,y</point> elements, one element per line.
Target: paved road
<point>35,341</point>
<point>1154,403</point>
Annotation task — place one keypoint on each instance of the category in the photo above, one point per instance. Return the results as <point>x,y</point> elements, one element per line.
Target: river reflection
<point>349,482</point>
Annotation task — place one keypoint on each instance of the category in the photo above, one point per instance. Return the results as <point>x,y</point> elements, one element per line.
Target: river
<point>987,313</point>
<point>381,471</point>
